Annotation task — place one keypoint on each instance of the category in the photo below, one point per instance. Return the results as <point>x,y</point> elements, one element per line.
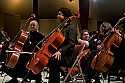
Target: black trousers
<point>88,72</point>
<point>54,69</point>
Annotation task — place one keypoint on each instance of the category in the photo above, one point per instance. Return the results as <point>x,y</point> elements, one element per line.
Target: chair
<point>79,51</point>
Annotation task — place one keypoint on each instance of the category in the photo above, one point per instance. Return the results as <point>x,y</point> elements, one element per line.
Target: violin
<point>51,43</point>
<point>12,58</point>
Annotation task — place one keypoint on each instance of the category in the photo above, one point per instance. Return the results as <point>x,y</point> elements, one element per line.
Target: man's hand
<point>57,55</point>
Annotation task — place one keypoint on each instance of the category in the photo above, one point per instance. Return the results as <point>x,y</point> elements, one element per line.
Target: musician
<point>94,45</point>
<point>65,55</point>
<point>20,71</point>
<point>90,43</point>
<point>85,39</point>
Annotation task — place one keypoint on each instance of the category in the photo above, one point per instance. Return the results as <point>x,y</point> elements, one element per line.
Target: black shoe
<point>68,79</point>
<point>12,81</point>
<point>26,80</point>
<point>38,80</point>
<point>88,81</point>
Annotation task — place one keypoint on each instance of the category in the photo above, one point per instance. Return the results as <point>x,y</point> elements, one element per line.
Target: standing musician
<point>65,55</point>
<point>20,71</point>
<point>97,39</point>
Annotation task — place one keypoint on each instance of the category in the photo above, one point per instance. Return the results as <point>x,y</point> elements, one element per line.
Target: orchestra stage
<point>44,76</point>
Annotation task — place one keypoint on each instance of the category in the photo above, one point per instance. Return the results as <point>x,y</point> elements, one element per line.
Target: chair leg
<point>71,68</point>
<point>123,75</point>
<point>109,77</point>
<point>69,73</point>
<point>80,69</point>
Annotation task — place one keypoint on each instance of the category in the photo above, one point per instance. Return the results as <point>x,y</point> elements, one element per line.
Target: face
<point>102,29</point>
<point>33,26</point>
<point>60,16</point>
<point>85,36</point>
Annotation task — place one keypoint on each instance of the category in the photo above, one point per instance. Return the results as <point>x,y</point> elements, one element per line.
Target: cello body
<point>50,45</point>
<point>12,58</point>
<point>40,59</point>
<point>103,60</point>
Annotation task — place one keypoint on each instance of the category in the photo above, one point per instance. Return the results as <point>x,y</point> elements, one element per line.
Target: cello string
<point>31,62</point>
<point>60,26</point>
<point>106,38</point>
<point>53,31</point>
<point>121,19</point>
<point>43,40</point>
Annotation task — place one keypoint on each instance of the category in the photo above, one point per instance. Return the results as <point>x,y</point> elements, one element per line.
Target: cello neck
<point>60,27</point>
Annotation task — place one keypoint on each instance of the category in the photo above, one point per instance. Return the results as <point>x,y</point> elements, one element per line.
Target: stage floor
<point>4,78</point>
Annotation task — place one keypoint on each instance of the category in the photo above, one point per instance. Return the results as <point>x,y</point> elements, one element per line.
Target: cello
<point>81,53</point>
<point>51,43</point>
<point>103,60</point>
<point>12,58</point>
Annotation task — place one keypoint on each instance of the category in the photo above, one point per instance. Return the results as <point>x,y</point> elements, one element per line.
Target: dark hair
<point>66,12</point>
<point>85,30</point>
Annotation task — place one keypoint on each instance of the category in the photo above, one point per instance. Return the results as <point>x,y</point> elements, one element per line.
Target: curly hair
<point>85,30</point>
<point>66,12</point>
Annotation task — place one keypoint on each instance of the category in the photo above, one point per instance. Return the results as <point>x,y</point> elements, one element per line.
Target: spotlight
<point>70,0</point>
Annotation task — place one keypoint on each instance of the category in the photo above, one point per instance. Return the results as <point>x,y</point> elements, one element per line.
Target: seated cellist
<point>65,55</point>
<point>97,39</point>
<point>20,71</point>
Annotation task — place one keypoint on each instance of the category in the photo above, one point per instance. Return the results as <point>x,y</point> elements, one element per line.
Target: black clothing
<point>20,68</point>
<point>68,54</point>
<point>14,80</point>
<point>88,72</point>
<point>118,59</point>
<point>3,51</point>
<point>93,42</point>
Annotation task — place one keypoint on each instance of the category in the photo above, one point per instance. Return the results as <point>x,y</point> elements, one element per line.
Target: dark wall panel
<point>11,25</point>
